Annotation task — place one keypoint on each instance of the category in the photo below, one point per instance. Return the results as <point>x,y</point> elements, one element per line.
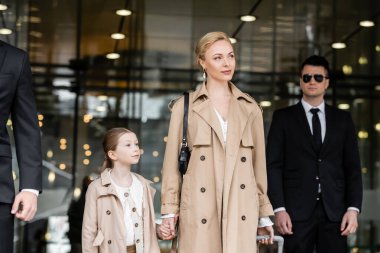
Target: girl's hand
<point>265,235</point>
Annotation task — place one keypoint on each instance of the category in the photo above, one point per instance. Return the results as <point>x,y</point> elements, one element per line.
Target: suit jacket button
<point>243,159</point>
<point>203,189</point>
<point>243,217</point>
<point>108,212</point>
<point>109,241</point>
<point>242,186</point>
<point>202,158</point>
<point>204,221</point>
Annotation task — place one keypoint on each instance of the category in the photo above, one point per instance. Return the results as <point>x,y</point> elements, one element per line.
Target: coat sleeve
<point>171,177</point>
<point>90,221</point>
<point>351,161</point>
<point>259,165</point>
<point>26,130</point>
<point>275,162</point>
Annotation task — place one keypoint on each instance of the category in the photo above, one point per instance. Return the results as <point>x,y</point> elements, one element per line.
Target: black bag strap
<point>185,116</point>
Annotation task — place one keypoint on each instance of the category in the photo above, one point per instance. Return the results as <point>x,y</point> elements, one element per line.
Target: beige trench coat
<point>103,228</point>
<point>224,191</point>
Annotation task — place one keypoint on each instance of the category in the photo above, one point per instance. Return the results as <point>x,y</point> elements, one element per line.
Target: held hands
<point>283,223</point>
<point>349,223</point>
<point>265,235</point>
<point>168,227</point>
<point>25,205</point>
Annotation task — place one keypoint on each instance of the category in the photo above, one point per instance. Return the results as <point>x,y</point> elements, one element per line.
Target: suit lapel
<point>304,125</point>
<point>329,128</point>
<point>2,55</point>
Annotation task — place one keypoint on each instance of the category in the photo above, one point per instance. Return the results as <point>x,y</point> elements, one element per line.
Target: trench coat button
<point>138,240</point>
<point>108,212</point>
<point>136,225</point>
<point>242,186</point>
<point>243,159</point>
<point>109,241</point>
<point>243,217</point>
<point>202,158</point>
<point>203,189</point>
<point>134,209</point>
<point>204,221</point>
<point>126,194</point>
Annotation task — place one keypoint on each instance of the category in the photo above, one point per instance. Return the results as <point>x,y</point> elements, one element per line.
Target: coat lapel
<point>2,55</point>
<point>329,128</point>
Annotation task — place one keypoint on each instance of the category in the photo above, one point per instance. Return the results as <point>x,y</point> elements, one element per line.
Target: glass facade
<point>80,93</point>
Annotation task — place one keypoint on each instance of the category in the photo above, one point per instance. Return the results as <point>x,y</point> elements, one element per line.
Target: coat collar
<point>108,188</point>
<point>237,115</point>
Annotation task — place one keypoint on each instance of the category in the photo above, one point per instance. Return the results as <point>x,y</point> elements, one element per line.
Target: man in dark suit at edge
<point>17,101</point>
<point>314,175</point>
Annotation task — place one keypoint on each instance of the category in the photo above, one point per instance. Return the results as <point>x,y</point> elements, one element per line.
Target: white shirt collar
<point>307,106</point>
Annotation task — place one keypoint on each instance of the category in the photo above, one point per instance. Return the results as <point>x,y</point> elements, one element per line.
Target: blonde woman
<point>222,199</point>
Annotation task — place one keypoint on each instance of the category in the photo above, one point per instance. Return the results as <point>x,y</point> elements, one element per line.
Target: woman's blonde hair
<point>110,141</point>
<point>206,42</point>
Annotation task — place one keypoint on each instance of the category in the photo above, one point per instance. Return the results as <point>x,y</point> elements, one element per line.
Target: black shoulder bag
<point>184,155</point>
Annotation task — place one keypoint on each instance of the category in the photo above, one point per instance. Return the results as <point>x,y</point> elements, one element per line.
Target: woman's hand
<point>265,235</point>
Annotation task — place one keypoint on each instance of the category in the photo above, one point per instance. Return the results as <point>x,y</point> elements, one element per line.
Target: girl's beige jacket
<point>103,228</point>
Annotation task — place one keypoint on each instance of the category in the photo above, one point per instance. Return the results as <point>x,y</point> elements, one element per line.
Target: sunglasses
<point>317,77</point>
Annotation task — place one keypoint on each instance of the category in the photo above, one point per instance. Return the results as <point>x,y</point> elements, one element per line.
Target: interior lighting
<point>124,12</point>
<point>155,153</point>
<point>77,192</point>
<point>156,179</point>
<point>63,141</point>
<point>5,31</point>
<point>377,48</point>
<point>338,45</point>
<point>3,7</point>
<point>344,106</point>
<point>265,103</point>
<point>363,134</point>
<point>40,123</point>
<point>165,139</point>
<point>34,20</point>
<point>377,87</point>
<point>86,146</point>
<point>113,56</point>
<point>363,60</point>
<point>232,40</point>
<point>377,127</point>
<point>102,98</point>
<point>247,18</point>
<point>118,36</point>
<point>367,23</point>
<point>87,153</point>
<point>49,154</point>
<point>40,117</point>
<point>347,69</point>
<point>62,166</point>
<point>86,161</point>
<point>51,177</point>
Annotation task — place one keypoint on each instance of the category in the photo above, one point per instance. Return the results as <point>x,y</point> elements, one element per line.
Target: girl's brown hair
<point>205,43</point>
<point>110,141</point>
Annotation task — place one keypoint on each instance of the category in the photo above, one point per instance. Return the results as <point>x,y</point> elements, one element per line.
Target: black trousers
<point>6,228</point>
<point>317,233</point>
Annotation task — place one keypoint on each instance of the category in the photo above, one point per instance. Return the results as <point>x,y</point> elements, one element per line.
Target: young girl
<point>119,215</point>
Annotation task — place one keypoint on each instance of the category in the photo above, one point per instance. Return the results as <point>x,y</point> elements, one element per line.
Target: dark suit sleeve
<point>351,160</point>
<point>275,161</point>
<point>26,130</point>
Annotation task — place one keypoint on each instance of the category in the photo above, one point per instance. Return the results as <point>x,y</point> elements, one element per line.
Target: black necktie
<point>317,135</point>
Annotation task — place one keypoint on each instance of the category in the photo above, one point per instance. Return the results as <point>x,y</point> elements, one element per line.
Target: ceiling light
<point>232,40</point>
<point>123,12</point>
<point>247,18</point>
<point>377,87</point>
<point>363,60</point>
<point>377,48</point>
<point>265,103</point>
<point>367,23</point>
<point>344,106</point>
<point>34,20</point>
<point>113,56</point>
<point>347,69</point>
<point>3,7</point>
<point>5,31</point>
<point>117,36</point>
<point>338,45</point>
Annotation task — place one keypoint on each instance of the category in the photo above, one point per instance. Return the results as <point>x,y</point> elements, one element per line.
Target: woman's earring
<point>204,75</point>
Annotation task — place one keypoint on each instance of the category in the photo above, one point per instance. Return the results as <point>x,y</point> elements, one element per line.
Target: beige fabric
<point>103,223</point>
<point>224,191</point>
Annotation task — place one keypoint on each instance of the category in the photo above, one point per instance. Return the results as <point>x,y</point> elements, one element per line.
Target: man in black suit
<point>17,101</point>
<point>314,175</point>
